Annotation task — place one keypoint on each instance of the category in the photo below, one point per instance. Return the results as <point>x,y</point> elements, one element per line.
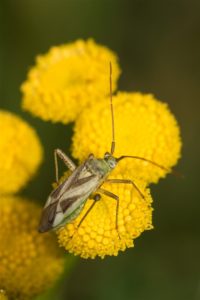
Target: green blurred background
<point>158,43</point>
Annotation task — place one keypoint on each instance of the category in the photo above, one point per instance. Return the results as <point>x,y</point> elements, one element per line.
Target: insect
<point>67,200</point>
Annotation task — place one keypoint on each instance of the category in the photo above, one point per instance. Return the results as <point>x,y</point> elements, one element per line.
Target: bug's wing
<point>51,205</point>
<point>64,186</point>
<point>73,199</point>
<point>66,201</point>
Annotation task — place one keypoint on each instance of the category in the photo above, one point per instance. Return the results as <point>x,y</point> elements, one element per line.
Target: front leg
<point>111,195</point>
<point>96,198</point>
<point>126,181</point>
<point>67,161</point>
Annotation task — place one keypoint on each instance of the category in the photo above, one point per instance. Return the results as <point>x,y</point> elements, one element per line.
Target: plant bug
<point>67,200</point>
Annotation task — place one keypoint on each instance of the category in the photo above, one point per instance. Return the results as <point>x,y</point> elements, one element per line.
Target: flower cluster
<point>71,83</point>
<point>22,249</point>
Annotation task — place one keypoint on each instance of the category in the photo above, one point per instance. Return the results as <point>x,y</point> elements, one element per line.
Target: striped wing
<point>67,200</point>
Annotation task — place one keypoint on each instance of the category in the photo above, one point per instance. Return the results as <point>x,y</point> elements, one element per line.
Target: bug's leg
<point>111,195</point>
<point>67,161</point>
<point>96,198</point>
<point>126,181</point>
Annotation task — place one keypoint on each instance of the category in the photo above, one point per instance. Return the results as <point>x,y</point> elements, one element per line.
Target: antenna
<point>112,114</point>
<point>175,173</point>
<point>144,159</point>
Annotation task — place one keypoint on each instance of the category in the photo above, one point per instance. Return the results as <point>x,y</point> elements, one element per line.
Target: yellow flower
<point>143,127</point>
<point>30,262</point>
<point>97,235</point>
<point>20,152</point>
<point>67,79</point>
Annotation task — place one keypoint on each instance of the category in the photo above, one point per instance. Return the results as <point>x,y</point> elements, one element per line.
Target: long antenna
<point>144,159</point>
<point>112,114</point>
<point>175,173</point>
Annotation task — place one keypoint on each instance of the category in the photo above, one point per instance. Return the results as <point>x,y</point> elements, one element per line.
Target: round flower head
<point>99,233</point>
<point>67,79</point>
<point>144,127</point>
<point>20,152</point>
<point>24,251</point>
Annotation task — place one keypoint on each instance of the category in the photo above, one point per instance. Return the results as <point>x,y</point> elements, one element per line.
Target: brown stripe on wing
<point>68,183</point>
<point>55,193</point>
<point>81,181</point>
<point>48,216</point>
<point>66,203</point>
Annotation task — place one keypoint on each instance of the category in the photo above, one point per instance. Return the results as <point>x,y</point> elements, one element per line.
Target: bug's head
<point>111,160</point>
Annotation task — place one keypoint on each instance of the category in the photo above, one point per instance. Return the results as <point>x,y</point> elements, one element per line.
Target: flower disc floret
<point>23,251</point>
<point>98,235</point>
<point>67,79</point>
<point>144,127</point>
<point>20,151</point>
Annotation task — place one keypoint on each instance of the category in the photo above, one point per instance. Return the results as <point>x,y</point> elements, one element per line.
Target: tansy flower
<point>144,127</point>
<point>98,235</point>
<point>30,262</point>
<point>20,152</point>
<point>67,79</point>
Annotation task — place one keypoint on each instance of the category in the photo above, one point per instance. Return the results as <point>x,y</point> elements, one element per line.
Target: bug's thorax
<point>101,166</point>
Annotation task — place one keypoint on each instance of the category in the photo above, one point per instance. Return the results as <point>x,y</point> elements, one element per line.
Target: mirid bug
<point>67,200</point>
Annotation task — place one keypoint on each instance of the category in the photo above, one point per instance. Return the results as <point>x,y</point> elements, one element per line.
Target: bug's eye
<point>106,155</point>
